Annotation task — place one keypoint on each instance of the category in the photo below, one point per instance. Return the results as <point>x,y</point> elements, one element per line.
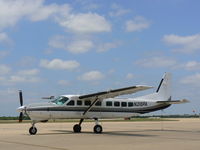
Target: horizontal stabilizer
<point>174,101</point>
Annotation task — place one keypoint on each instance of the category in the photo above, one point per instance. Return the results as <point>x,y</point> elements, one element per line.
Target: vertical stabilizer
<point>164,88</point>
<point>163,92</point>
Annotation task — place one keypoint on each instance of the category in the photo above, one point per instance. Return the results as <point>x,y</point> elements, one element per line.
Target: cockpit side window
<point>60,100</point>
<point>71,103</point>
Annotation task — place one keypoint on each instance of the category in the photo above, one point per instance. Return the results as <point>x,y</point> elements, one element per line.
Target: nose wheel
<point>33,129</point>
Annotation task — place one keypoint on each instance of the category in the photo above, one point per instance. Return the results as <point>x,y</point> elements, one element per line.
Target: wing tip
<point>145,86</point>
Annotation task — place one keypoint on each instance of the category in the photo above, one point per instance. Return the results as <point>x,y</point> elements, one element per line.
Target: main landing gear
<point>33,129</point>
<point>97,128</point>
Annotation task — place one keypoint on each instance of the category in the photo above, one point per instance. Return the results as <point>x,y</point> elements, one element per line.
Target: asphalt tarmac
<point>183,134</point>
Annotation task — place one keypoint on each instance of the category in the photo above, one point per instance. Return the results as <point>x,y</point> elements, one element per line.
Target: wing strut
<point>88,109</point>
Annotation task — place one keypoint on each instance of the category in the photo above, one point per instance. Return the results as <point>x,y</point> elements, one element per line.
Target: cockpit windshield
<point>60,100</point>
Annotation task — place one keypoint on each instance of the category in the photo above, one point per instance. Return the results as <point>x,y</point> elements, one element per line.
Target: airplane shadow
<point>127,133</point>
<point>134,133</point>
<point>111,133</point>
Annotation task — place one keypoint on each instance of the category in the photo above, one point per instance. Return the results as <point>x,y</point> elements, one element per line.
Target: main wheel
<point>33,130</point>
<point>98,129</point>
<point>77,128</point>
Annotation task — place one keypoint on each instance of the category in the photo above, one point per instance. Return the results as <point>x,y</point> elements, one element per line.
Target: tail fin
<point>164,89</point>
<point>163,92</point>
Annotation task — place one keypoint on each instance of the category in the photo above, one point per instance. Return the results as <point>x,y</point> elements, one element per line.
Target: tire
<point>98,129</point>
<point>77,128</point>
<point>33,130</point>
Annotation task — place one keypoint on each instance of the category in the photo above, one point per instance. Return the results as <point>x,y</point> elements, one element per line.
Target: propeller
<point>21,116</point>
<point>20,98</point>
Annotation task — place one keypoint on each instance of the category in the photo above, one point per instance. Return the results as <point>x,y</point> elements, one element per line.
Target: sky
<point>50,47</point>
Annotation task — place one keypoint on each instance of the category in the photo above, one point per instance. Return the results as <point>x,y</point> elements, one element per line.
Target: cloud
<point>76,46</point>
<point>25,76</point>
<point>192,65</point>
<point>30,72</point>
<point>117,11</point>
<point>58,41</point>
<point>86,23</point>
<point>22,76</point>
<point>107,46</point>
<point>193,80</point>
<point>23,79</point>
<point>156,62</point>
<point>11,11</point>
<point>4,39</point>
<point>80,46</point>
<point>91,76</point>
<point>4,69</point>
<point>185,44</point>
<point>129,76</point>
<point>58,64</point>
<point>52,10</point>
<point>137,24</point>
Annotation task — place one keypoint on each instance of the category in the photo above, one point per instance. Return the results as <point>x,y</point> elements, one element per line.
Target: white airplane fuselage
<point>109,108</point>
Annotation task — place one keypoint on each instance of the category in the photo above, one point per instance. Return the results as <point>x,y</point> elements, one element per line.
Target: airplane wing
<point>111,93</point>
<point>174,101</point>
<point>114,93</point>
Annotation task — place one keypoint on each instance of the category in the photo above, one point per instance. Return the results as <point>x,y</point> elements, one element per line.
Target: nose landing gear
<point>33,129</point>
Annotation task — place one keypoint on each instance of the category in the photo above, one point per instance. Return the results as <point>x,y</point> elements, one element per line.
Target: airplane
<point>99,105</point>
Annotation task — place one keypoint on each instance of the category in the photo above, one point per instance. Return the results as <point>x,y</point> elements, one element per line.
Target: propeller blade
<point>21,98</point>
<point>21,117</point>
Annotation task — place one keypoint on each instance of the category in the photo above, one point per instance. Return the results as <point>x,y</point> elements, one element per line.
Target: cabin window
<point>124,104</point>
<point>108,103</point>
<point>98,103</point>
<point>130,104</point>
<point>79,102</point>
<point>71,103</point>
<point>116,104</point>
<point>87,103</point>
